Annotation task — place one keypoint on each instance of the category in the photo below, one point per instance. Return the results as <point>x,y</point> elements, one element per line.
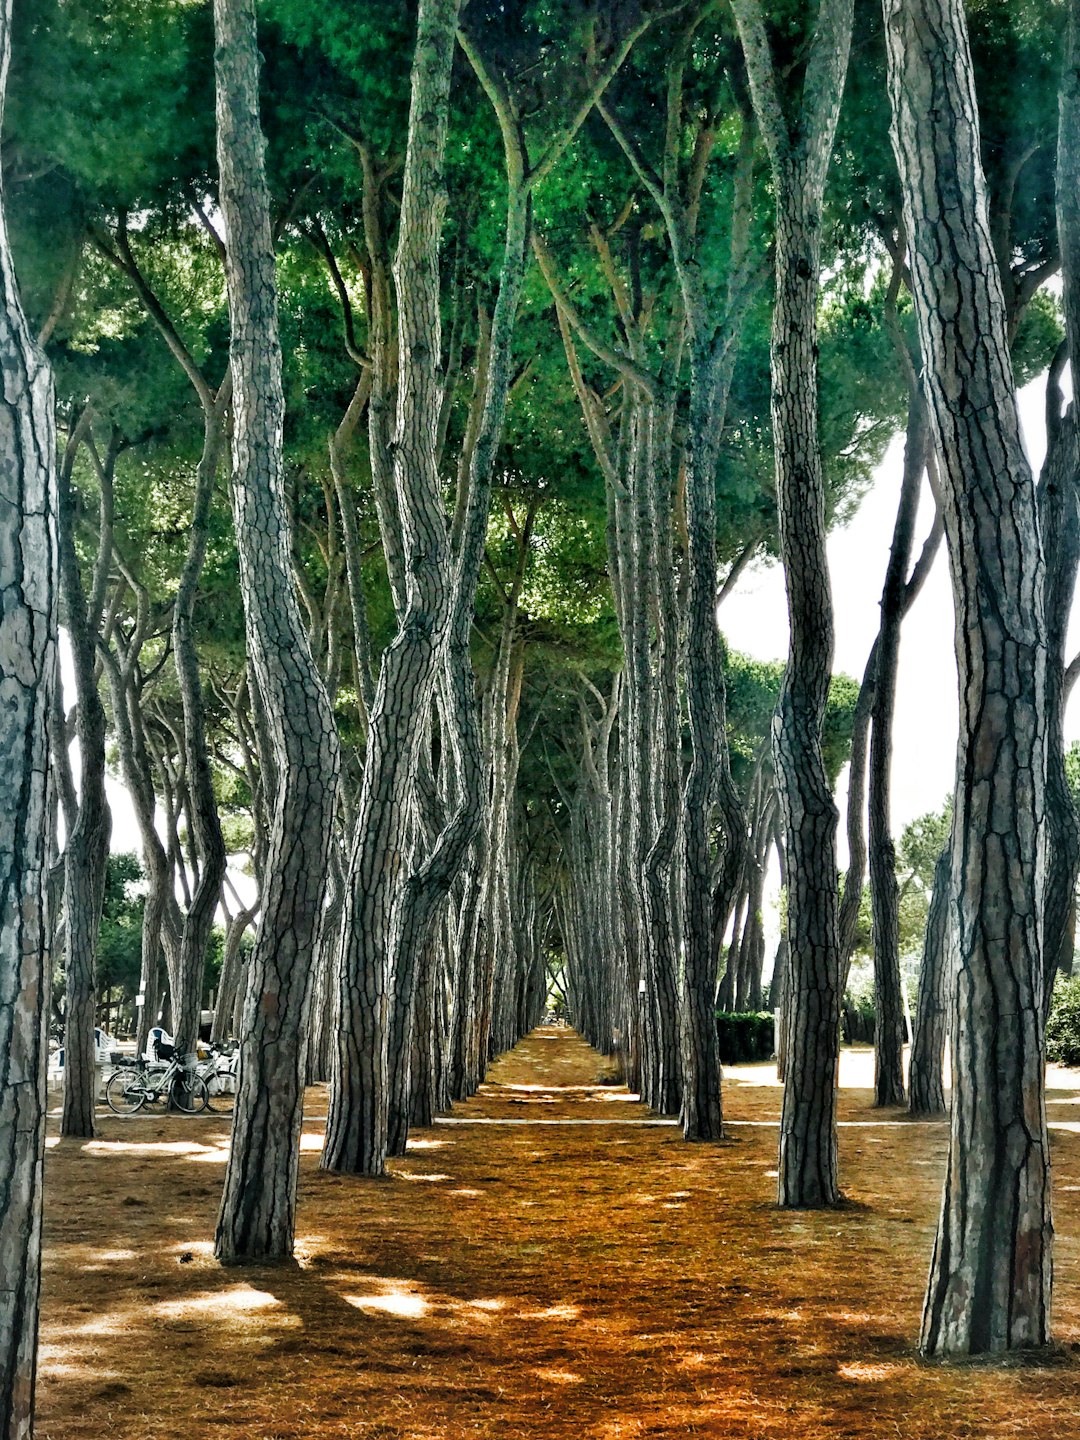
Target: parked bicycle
<point>132,1086</point>
<point>220,1070</point>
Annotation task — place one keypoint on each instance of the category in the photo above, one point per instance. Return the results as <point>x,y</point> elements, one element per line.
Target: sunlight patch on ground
<point>100,1259</point>
<point>153,1147</point>
<point>865,1373</point>
<point>310,1141</point>
<point>485,1304</point>
<point>105,1323</point>
<point>432,1175</point>
<point>236,1302</point>
<point>425,1144</point>
<point>558,1377</point>
<point>51,1362</point>
<point>553,1312</point>
<point>396,1302</point>
<point>469,1194</point>
<point>205,1248</point>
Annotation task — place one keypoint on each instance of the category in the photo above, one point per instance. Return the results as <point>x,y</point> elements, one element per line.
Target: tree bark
<point>1058,504</point>
<point>258,1206</point>
<point>86,850</point>
<point>28,666</point>
<point>989,1286</point>
<point>890,1027</point>
<point>204,828</point>
<point>926,1085</point>
<point>800,157</point>
<point>356,1131</point>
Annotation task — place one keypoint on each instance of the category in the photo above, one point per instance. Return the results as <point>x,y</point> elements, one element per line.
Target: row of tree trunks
<point>707,881</point>
<point>357,1123</point>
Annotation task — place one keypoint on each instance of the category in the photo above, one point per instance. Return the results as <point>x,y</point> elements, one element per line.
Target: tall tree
<point>713,330</point>
<point>258,1205</point>
<point>356,1129</point>
<point>989,1286</point>
<point>86,848</point>
<point>28,637</point>
<point>799,135</point>
<point>1059,513</point>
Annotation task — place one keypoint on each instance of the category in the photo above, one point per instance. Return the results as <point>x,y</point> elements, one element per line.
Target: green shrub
<point>1063,1026</point>
<point>857,1009</point>
<point>744,1038</point>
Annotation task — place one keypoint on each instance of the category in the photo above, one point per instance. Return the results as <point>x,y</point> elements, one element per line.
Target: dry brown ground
<point>559,1282</point>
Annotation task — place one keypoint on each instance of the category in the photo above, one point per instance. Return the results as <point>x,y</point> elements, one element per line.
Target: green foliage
<point>744,1038</point>
<point>1072,770</point>
<point>922,841</point>
<point>120,938</point>
<point>753,689</point>
<point>1063,1024</point>
<point>858,1011</point>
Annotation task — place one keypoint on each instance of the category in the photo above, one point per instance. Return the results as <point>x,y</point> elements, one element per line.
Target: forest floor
<point>532,1281</point>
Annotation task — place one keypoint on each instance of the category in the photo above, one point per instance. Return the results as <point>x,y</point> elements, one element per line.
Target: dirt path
<point>556,1282</point>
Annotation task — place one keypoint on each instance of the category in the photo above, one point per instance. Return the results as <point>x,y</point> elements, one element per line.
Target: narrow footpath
<point>548,1262</point>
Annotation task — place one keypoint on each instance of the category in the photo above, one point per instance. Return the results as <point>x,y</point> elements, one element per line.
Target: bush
<point>1063,1026</point>
<point>744,1038</point>
<point>857,1009</point>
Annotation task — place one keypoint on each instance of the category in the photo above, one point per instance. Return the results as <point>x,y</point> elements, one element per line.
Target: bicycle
<point>219,1071</point>
<point>133,1086</point>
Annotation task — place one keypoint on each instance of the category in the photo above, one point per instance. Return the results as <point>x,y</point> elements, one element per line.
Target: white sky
<point>754,620</point>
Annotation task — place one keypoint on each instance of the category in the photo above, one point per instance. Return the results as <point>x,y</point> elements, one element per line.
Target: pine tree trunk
<point>807,1167</point>
<point>259,1202</point>
<point>86,851</point>
<point>28,666</point>
<point>890,1031</point>
<point>989,1287</point>
<point>1059,506</point>
<point>161,920</point>
<point>926,1085</point>
<point>356,1131</point>
<point>205,827</point>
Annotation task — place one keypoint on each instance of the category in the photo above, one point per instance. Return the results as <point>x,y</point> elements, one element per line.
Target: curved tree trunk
<point>989,1287</point>
<point>259,1202</point>
<point>890,1031</point>
<point>28,648</point>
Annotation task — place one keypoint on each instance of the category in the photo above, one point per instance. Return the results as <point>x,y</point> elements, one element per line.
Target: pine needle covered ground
<point>554,1282</point>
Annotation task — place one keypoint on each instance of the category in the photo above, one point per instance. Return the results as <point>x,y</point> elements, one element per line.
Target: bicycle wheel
<point>190,1094</point>
<point>125,1092</point>
<point>222,1088</point>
